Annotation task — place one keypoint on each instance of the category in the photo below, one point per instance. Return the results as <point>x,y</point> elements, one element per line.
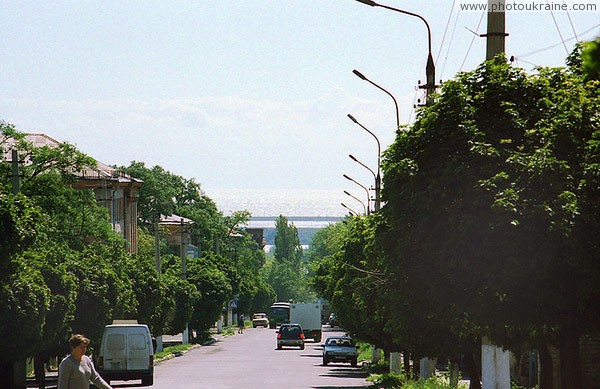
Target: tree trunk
<point>406,358</point>
<point>454,372</point>
<point>570,362</point>
<point>474,371</point>
<point>416,369</point>
<point>546,369</point>
<point>12,375</point>
<point>6,375</point>
<point>39,371</point>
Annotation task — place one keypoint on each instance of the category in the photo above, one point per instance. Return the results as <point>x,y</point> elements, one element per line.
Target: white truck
<point>308,315</point>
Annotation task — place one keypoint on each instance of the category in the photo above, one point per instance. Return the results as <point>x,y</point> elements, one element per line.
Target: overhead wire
<point>449,44</point>
<point>558,29</point>
<point>571,22</point>
<point>413,105</point>
<point>472,40</point>
<point>559,43</point>
<point>446,29</point>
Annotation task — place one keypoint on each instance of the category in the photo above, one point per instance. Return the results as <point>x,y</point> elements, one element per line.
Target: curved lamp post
<point>364,187</point>
<point>362,77</point>
<point>352,212</point>
<point>378,176</point>
<point>357,199</point>
<point>352,157</point>
<point>430,68</point>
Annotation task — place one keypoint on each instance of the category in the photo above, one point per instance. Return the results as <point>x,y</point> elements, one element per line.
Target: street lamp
<point>362,186</point>
<point>352,157</point>
<point>378,176</point>
<point>352,212</point>
<point>357,199</point>
<point>362,77</point>
<point>430,68</point>
<point>377,188</point>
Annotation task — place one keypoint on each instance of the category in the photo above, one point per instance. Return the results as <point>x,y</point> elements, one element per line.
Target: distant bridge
<point>306,225</point>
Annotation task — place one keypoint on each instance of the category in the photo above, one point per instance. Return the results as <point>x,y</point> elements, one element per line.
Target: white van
<point>127,353</point>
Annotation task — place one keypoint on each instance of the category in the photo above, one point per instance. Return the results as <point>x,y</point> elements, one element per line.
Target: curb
<point>180,353</point>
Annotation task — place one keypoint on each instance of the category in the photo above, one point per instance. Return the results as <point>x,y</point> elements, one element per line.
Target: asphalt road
<point>251,360</point>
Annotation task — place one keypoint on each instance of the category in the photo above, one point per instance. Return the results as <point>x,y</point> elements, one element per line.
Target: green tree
<point>287,274</point>
<point>287,242</point>
<point>492,208</point>
<point>591,59</point>
<point>214,290</point>
<point>165,193</point>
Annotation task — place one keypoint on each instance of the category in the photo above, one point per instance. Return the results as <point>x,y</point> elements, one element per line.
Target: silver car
<point>340,349</point>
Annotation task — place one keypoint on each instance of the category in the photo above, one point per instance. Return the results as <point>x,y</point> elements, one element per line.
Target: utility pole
<point>185,336</point>
<point>496,29</point>
<point>495,361</point>
<point>16,183</point>
<point>159,342</point>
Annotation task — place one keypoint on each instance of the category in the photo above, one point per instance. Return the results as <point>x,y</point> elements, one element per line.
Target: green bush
<point>172,350</point>
<point>388,380</point>
<point>399,381</point>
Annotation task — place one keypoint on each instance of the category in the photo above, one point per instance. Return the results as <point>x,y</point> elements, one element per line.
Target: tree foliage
<point>288,272</point>
<point>287,242</point>
<point>490,223</point>
<point>492,204</point>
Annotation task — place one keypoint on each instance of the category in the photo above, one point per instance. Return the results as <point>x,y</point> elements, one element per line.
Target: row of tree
<point>491,223</point>
<point>63,269</point>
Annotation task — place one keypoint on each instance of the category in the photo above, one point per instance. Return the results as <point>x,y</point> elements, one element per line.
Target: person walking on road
<point>76,370</point>
<point>241,324</point>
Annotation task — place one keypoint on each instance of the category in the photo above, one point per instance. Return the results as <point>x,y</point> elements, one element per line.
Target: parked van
<point>127,352</point>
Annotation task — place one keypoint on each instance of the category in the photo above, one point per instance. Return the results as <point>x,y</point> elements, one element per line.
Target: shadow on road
<point>347,372</point>
<point>311,355</point>
<point>343,387</point>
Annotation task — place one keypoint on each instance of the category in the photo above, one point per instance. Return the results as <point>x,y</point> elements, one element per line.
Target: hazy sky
<point>246,94</point>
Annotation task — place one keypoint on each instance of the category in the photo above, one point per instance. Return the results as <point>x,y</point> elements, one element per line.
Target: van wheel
<point>148,381</point>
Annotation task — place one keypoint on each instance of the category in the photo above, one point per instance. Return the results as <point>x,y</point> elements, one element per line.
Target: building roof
<point>89,178</point>
<point>174,220</point>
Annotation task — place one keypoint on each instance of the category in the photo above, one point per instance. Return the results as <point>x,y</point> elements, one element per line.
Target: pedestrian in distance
<point>76,370</point>
<point>241,324</point>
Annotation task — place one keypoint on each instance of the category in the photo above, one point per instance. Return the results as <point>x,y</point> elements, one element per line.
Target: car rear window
<point>290,331</point>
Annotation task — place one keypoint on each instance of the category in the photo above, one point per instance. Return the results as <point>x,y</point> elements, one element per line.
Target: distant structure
<point>258,234</point>
<point>307,227</point>
<point>117,192</point>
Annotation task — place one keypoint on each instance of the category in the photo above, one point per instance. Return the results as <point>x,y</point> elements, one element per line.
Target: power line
<point>449,44</point>
<point>557,44</point>
<point>472,40</point>
<point>446,29</point>
<point>571,21</point>
<point>558,29</point>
